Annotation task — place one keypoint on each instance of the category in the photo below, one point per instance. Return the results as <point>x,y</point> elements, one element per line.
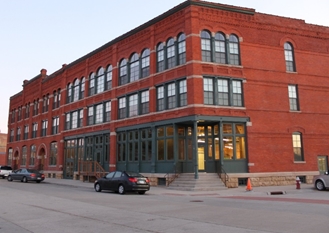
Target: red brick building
<point>204,87</point>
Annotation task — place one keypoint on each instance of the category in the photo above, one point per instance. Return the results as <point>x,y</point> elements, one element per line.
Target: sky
<point>37,34</point>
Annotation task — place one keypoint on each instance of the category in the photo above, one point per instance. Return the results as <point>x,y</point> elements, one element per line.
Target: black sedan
<point>122,182</point>
<point>25,175</point>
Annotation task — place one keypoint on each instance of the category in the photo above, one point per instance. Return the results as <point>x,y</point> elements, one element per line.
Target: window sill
<point>301,162</point>
<point>295,111</point>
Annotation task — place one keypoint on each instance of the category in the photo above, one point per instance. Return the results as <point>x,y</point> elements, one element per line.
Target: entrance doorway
<point>201,157</point>
<point>322,163</point>
<point>16,158</point>
<point>41,159</point>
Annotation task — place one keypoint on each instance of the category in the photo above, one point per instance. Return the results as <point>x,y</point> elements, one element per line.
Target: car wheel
<point>98,187</point>
<point>9,178</point>
<point>24,179</point>
<point>141,192</point>
<point>121,189</point>
<point>319,185</point>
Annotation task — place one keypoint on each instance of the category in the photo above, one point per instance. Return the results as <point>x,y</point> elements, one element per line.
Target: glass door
<point>201,157</point>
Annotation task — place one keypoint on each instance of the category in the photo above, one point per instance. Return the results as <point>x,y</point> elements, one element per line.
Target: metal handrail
<point>176,172</point>
<point>91,168</point>
<point>222,173</point>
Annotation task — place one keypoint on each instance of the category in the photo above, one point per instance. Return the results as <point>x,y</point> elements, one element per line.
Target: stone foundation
<point>256,179</point>
<point>270,179</point>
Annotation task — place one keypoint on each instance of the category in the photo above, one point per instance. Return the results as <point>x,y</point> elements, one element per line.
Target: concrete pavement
<point>306,193</point>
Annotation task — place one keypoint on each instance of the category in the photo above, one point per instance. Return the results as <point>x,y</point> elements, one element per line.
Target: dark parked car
<point>321,182</point>
<point>25,175</point>
<point>122,182</point>
<point>5,171</point>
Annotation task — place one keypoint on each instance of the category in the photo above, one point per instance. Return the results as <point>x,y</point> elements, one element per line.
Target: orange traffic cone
<point>249,188</point>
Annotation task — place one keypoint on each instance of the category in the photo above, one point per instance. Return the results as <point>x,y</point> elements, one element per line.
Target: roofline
<point>172,11</point>
<point>149,23</point>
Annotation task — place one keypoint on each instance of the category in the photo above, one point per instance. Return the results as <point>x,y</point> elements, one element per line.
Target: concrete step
<point>205,182</point>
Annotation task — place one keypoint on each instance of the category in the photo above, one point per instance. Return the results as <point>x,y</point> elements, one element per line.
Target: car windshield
<point>134,174</point>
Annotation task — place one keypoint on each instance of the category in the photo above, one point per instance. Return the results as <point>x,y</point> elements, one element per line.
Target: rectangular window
<point>91,115</point>
<point>297,146</point>
<point>165,143</point>
<point>18,135</point>
<point>160,98</point>
<point>34,130</point>
<point>26,132</point>
<point>44,128</point>
<point>145,99</point>
<point>171,95</point>
<point>237,93</point>
<point>182,93</point>
<point>293,97</point>
<point>75,120</point>
<point>55,129</point>
<point>208,89</point>
<point>11,135</point>
<point>133,105</point>
<point>99,114</point>
<point>223,92</point>
<point>108,111</point>
<point>80,124</point>
<point>68,121</point>
<point>227,92</point>
<point>122,108</point>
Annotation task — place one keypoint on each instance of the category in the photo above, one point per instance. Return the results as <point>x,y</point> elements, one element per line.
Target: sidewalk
<point>307,191</point>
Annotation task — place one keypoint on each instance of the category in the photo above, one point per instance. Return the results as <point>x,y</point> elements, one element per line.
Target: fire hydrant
<point>297,183</point>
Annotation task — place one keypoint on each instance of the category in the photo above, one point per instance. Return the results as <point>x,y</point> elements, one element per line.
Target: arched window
<point>220,48</point>
<point>24,155</point>
<point>69,93</point>
<point>134,67</point>
<point>145,63</point>
<point>234,50</point>
<point>181,49</point>
<point>33,153</point>
<point>171,58</point>
<point>100,80</point>
<point>206,46</point>
<point>91,84</point>
<point>82,89</point>
<point>289,57</point>
<point>53,154</point>
<point>160,57</point>
<point>76,91</point>
<point>123,79</point>
<point>109,77</point>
